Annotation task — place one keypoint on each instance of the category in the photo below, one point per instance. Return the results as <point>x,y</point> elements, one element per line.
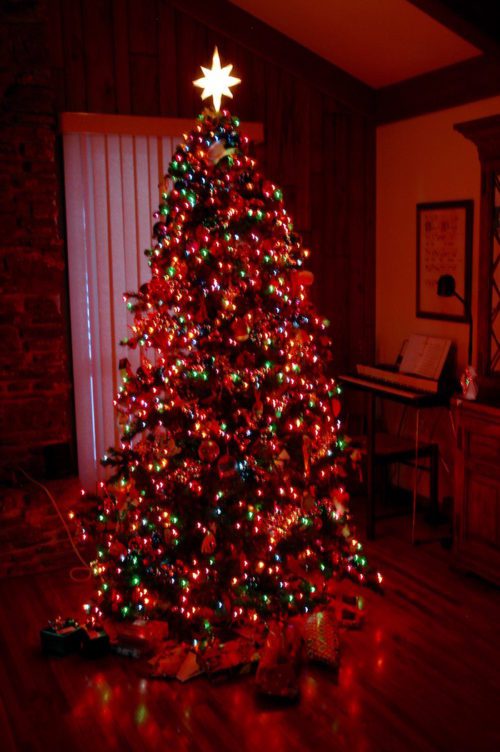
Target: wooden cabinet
<point>477,489</point>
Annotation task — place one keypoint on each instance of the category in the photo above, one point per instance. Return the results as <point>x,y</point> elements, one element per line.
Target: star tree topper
<point>216,82</point>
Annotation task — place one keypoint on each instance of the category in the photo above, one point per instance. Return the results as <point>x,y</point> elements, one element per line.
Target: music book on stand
<point>420,365</point>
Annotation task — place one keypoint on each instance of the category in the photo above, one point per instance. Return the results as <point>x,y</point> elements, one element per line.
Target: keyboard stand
<point>417,400</point>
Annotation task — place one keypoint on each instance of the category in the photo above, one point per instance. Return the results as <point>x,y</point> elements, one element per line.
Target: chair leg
<point>415,478</point>
<point>434,482</point>
<point>370,470</point>
<point>382,479</point>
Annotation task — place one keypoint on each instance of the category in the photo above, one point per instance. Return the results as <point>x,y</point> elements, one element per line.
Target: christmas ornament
<point>258,408</point>
<point>208,450</point>
<point>300,280</point>
<point>340,499</point>
<point>306,454</point>
<point>226,466</point>
<point>281,460</point>
<point>336,407</point>
<point>209,543</point>
<point>171,448</point>
<point>218,151</point>
<point>308,500</point>
<point>240,330</point>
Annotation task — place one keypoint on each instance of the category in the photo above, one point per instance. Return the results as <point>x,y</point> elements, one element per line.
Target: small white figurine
<point>468,382</point>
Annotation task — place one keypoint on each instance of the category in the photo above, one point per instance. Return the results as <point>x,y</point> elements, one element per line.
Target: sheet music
<point>425,356</point>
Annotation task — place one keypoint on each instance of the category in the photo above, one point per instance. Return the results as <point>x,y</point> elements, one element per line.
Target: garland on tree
<point>227,503</point>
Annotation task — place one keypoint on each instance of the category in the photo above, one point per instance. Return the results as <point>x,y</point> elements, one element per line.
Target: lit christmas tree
<point>227,503</point>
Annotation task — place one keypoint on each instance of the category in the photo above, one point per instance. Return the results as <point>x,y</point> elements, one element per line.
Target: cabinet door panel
<point>481,510</point>
<point>476,539</point>
<point>483,446</point>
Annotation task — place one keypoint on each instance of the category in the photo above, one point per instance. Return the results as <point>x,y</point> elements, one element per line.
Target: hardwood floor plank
<point>423,674</point>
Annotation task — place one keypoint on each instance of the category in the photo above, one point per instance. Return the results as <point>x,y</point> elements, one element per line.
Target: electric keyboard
<point>398,379</point>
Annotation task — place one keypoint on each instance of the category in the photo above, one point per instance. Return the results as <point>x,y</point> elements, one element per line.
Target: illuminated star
<point>216,82</point>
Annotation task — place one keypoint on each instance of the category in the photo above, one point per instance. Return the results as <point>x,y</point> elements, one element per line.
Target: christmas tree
<point>227,502</point>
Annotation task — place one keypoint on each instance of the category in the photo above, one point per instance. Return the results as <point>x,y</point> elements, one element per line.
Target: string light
<point>227,499</point>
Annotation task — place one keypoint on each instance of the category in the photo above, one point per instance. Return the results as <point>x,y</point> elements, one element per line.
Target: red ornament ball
<point>226,466</point>
<point>208,451</point>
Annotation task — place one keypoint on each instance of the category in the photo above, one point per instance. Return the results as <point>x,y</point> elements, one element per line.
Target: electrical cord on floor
<point>73,573</point>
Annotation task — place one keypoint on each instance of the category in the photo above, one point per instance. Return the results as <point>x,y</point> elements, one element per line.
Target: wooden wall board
<point>74,66</point>
<point>452,86</point>
<point>121,56</point>
<point>98,55</point>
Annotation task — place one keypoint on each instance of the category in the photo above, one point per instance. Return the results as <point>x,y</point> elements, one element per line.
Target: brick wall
<point>32,537</point>
<point>35,379</point>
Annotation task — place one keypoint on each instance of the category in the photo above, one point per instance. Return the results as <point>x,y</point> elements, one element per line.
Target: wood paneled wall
<point>140,57</point>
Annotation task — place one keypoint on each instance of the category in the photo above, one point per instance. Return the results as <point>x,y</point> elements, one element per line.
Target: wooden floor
<point>423,674</point>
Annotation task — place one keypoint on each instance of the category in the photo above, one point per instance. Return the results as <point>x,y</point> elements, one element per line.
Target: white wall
<point>419,160</point>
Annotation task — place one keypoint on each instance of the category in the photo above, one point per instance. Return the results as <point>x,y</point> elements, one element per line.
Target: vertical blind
<point>113,171</point>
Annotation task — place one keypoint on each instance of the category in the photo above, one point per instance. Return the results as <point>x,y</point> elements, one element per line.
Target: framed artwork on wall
<point>444,247</point>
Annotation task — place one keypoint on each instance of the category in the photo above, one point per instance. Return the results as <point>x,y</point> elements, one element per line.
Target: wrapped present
<point>321,639</point>
<point>279,667</point>
<point>126,649</point>
<point>166,663</point>
<point>129,641</point>
<point>95,642</point>
<point>138,639</point>
<point>189,668</point>
<point>153,630</point>
<point>61,636</point>
<point>233,658</point>
<point>347,610</point>
<point>255,632</point>
<point>175,661</point>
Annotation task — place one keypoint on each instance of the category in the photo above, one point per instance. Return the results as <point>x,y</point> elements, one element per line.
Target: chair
<point>391,450</point>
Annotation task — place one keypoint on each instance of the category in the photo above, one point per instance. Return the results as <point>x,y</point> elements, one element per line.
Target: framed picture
<point>444,246</point>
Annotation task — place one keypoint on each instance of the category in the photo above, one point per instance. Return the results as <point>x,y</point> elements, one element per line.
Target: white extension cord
<point>75,570</point>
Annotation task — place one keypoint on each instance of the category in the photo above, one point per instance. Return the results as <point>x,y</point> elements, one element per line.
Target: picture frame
<point>444,246</point>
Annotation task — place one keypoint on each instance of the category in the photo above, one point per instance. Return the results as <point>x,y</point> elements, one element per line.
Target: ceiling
<point>380,42</point>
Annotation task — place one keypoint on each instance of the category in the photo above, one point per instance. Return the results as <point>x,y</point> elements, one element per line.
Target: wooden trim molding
<point>452,86</point>
<point>135,125</point>
<point>476,21</point>
<point>485,134</point>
